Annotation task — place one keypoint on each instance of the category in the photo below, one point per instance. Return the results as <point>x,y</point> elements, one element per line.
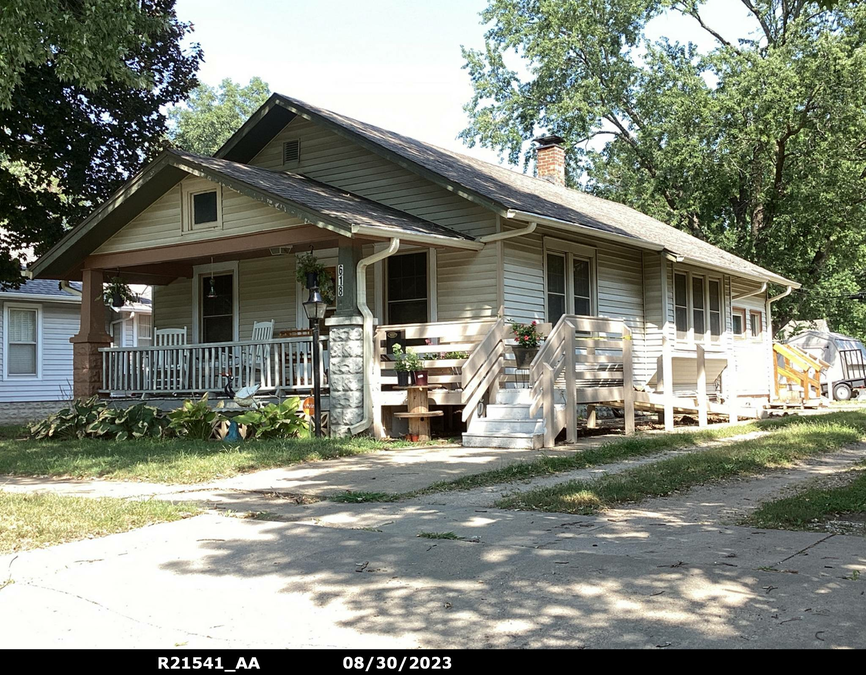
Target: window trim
<point>199,271</point>
<point>571,251</point>
<point>707,338</point>
<point>187,209</point>
<point>39,347</point>
<point>741,312</point>
<point>760,315</point>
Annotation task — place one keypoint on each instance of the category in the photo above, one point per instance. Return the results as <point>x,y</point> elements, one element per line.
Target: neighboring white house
<point>36,322</point>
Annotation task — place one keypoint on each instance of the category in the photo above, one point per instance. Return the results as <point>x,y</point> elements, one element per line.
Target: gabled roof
<point>318,204</point>
<point>510,193</point>
<point>46,290</point>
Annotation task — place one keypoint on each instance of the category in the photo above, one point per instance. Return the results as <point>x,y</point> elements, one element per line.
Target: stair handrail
<point>483,368</point>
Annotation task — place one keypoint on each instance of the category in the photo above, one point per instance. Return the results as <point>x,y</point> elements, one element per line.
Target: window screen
<point>204,207</point>
<point>715,288</point>
<point>681,305</point>
<point>217,313</point>
<point>582,286</point>
<point>407,288</point>
<point>555,287</point>
<point>699,321</point>
<point>23,342</point>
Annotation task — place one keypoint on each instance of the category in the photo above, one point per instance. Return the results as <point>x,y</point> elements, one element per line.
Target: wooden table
<point>419,412</point>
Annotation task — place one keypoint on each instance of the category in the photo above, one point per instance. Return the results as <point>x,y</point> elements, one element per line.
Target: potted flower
<point>310,272</point>
<point>526,343</point>
<point>400,365</point>
<point>117,293</point>
<point>414,366</point>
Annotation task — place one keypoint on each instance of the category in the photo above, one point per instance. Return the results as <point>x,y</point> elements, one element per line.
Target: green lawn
<point>812,508</point>
<point>37,520</point>
<point>607,453</point>
<point>167,460</point>
<point>792,439</point>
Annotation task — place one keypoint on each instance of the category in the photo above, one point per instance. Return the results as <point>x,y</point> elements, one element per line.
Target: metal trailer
<point>846,356</point>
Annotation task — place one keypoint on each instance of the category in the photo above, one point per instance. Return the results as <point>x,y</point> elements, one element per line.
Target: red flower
<point>534,323</point>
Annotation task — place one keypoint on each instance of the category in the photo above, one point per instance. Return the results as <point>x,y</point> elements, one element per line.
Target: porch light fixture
<point>315,308</point>
<point>211,294</point>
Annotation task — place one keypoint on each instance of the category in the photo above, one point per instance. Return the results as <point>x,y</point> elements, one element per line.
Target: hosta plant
<point>195,420</point>
<point>275,420</point>
<point>71,422</point>
<point>137,421</point>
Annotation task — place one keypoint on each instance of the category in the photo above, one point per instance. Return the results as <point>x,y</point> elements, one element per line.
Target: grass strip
<point>811,508</point>
<point>795,440</point>
<point>176,461</point>
<point>607,453</point>
<point>38,520</point>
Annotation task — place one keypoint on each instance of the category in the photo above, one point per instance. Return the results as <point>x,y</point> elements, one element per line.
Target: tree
<point>213,114</point>
<point>757,145</point>
<point>82,85</point>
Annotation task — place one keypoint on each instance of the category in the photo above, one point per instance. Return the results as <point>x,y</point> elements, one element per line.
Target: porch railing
<point>277,366</point>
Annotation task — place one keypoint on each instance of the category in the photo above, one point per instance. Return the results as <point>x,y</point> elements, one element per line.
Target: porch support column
<point>347,265</point>
<point>346,372</point>
<point>86,357</point>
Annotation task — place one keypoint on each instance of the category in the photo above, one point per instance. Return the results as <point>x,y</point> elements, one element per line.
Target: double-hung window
<point>698,307</point>
<point>22,342</point>
<point>569,279</point>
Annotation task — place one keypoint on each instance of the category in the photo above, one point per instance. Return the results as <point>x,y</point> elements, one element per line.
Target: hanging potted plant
<point>400,366</point>
<point>310,272</point>
<point>117,293</point>
<point>526,343</point>
<point>414,366</point>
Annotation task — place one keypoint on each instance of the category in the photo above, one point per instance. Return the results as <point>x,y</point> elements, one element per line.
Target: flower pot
<point>523,356</point>
<point>312,279</point>
<point>413,438</point>
<point>116,299</point>
<point>402,378</point>
<point>420,378</point>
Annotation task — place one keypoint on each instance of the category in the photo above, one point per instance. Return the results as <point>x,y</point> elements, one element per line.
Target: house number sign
<point>339,281</point>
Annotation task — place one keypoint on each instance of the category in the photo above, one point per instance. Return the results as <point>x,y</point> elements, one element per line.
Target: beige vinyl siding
<point>654,311</point>
<point>619,284</point>
<point>172,306</point>
<point>753,357</point>
<point>59,323</point>
<point>466,280</point>
<point>160,224</point>
<point>266,291</point>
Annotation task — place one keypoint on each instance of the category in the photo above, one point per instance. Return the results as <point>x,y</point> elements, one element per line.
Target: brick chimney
<point>550,159</point>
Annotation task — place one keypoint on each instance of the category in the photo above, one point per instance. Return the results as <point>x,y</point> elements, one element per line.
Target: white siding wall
<point>59,323</point>
<point>754,358</point>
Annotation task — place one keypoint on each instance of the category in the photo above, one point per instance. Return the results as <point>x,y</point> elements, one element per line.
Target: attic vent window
<point>291,152</point>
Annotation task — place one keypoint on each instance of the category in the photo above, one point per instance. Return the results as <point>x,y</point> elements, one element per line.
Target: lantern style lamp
<point>315,308</point>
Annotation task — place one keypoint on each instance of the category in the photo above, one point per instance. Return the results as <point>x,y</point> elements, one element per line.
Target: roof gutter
<point>419,237</point>
<point>37,297</point>
<point>369,347</point>
<point>499,236</point>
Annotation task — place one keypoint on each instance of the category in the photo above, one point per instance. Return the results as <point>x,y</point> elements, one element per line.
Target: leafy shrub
<point>71,422</point>
<point>195,420</point>
<point>276,420</point>
<point>137,421</point>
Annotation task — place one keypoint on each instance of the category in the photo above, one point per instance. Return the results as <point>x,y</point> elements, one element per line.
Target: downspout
<point>499,236</point>
<point>761,290</point>
<point>769,312</point>
<point>361,292</point>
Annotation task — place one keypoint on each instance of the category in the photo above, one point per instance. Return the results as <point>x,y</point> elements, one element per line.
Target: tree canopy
<point>757,144</point>
<point>213,114</point>
<point>82,88</point>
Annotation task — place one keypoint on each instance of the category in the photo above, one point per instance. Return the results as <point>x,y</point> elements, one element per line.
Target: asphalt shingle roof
<point>46,287</point>
<point>330,201</point>
<point>520,192</point>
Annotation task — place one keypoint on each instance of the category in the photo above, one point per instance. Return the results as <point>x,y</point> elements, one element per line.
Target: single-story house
<point>426,246</point>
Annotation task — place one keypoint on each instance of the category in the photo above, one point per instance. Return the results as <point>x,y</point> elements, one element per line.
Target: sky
<point>393,63</point>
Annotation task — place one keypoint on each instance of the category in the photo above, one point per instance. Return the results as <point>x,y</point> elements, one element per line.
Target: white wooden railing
<point>281,365</point>
<point>591,360</point>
